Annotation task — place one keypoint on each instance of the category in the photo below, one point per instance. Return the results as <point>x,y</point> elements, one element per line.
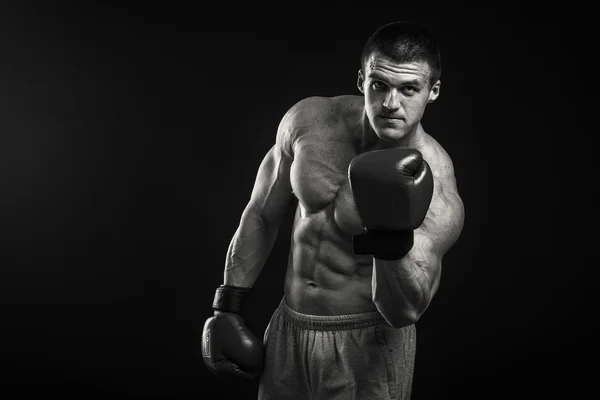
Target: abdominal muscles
<point>324,276</point>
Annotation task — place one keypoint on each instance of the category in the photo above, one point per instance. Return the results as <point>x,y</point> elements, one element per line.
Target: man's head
<point>400,74</point>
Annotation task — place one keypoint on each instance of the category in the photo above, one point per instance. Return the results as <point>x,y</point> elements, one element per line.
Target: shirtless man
<point>378,208</point>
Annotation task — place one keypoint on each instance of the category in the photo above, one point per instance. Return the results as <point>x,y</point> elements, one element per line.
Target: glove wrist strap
<point>384,245</point>
<point>230,298</point>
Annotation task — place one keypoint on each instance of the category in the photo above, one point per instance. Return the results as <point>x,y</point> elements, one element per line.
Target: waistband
<point>330,322</point>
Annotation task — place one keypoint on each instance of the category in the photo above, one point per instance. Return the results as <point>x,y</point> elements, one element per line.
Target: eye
<point>378,85</point>
<point>409,90</point>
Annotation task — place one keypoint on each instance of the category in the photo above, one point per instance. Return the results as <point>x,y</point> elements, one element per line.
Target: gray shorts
<point>355,356</point>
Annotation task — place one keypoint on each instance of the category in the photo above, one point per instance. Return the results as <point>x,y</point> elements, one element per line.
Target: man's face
<point>395,95</point>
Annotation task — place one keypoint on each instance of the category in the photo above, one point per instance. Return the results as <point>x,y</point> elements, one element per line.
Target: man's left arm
<point>404,288</point>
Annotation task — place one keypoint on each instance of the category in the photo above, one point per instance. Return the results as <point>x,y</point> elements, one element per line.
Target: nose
<point>392,100</point>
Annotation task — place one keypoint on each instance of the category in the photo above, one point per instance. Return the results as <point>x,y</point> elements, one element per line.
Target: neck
<point>370,141</point>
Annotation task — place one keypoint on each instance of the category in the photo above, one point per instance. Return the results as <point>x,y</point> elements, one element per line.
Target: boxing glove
<point>392,190</point>
<point>229,348</point>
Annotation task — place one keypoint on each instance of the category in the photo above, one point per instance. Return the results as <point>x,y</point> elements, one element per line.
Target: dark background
<point>129,141</point>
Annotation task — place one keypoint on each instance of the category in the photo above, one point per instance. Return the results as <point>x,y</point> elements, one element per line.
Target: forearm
<point>248,251</point>
<point>403,289</point>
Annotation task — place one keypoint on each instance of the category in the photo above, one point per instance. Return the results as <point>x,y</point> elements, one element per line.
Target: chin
<point>390,135</point>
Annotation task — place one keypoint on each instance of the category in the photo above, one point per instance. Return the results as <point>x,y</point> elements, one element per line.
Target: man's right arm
<point>271,195</point>
<point>228,346</point>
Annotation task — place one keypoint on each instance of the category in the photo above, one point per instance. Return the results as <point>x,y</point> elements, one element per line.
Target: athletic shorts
<point>355,356</point>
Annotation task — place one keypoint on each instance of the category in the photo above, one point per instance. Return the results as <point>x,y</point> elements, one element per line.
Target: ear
<point>360,81</point>
<point>434,92</point>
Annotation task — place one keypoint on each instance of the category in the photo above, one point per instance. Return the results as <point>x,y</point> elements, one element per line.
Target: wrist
<point>230,299</point>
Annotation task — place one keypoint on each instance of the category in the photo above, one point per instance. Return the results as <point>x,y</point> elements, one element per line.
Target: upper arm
<point>272,191</point>
<point>443,223</point>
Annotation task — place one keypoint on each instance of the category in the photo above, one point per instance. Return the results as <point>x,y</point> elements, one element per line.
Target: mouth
<point>389,118</point>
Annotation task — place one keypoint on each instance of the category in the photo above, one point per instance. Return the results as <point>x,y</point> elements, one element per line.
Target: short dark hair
<point>404,41</point>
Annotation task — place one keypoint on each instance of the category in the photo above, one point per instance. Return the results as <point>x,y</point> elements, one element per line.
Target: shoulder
<point>306,110</point>
<point>446,194</point>
<point>320,109</point>
<point>438,159</point>
<point>299,120</point>
<point>316,115</point>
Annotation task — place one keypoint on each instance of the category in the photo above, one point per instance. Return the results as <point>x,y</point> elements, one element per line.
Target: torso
<point>324,276</point>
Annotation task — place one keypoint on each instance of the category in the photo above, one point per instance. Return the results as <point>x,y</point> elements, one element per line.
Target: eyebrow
<point>414,82</point>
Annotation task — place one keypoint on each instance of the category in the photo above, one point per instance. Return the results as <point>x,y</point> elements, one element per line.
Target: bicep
<point>444,221</point>
<point>272,192</point>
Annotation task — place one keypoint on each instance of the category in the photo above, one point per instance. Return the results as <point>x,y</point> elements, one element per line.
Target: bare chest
<point>319,177</point>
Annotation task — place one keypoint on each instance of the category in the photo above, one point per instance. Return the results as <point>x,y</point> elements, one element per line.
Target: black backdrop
<point>129,142</point>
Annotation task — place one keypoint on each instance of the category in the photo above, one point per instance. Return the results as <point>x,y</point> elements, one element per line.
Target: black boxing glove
<point>228,347</point>
<point>392,190</point>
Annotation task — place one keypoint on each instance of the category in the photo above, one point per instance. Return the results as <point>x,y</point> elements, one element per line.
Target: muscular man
<point>377,209</point>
